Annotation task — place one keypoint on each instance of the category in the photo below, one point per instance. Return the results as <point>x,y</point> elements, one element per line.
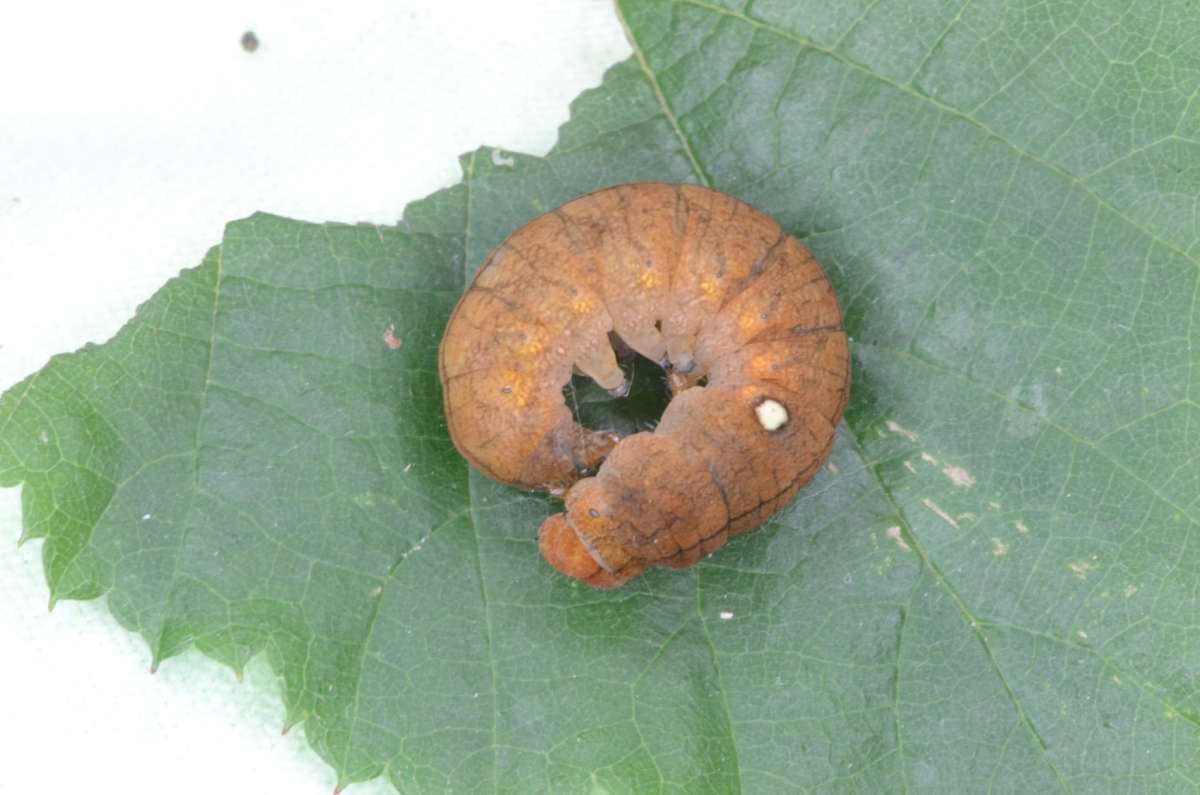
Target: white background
<point>130,132</point>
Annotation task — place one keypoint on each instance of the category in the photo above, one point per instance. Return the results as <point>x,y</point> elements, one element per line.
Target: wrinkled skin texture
<point>686,276</point>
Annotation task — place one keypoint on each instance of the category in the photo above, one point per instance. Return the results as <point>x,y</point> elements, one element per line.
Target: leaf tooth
<point>292,720</point>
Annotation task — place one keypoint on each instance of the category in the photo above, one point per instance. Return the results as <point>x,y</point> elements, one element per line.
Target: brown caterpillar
<point>687,276</point>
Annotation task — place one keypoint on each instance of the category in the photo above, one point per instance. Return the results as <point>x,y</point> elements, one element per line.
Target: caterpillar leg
<point>599,362</point>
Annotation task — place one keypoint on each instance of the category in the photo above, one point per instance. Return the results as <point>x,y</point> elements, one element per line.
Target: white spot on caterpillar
<point>959,476</point>
<point>999,547</point>
<point>933,506</point>
<point>771,414</point>
<point>894,427</point>
<point>500,159</point>
<point>1081,569</point>
<point>725,615</point>
<point>928,459</point>
<point>910,466</point>
<point>893,533</point>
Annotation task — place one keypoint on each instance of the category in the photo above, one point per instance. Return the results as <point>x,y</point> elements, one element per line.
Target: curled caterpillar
<point>740,315</point>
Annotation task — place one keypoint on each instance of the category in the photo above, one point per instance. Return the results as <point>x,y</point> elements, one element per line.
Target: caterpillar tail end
<point>563,550</point>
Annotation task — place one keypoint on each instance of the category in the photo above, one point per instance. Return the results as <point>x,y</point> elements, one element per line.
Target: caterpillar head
<point>581,542</point>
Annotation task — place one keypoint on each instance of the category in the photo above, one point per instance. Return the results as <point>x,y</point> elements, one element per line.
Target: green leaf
<point>991,586</point>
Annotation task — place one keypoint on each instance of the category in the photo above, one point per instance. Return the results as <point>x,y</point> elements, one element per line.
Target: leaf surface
<point>992,586</point>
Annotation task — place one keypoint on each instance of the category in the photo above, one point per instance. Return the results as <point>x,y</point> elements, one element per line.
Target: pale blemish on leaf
<point>999,548</point>
<point>500,159</point>
<point>910,466</point>
<point>959,476</point>
<point>415,548</point>
<point>45,437</point>
<point>933,506</point>
<point>725,615</point>
<point>1081,569</point>
<point>389,337</point>
<point>893,533</point>
<point>1082,635</point>
<point>895,427</point>
<point>1130,590</point>
<point>833,467</point>
<point>928,459</point>
<point>1021,526</point>
<point>966,516</point>
<point>1037,400</point>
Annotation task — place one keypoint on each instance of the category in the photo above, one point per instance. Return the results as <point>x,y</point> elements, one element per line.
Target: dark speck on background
<point>249,41</point>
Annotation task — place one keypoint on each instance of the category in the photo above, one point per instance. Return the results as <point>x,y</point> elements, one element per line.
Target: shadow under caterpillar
<point>690,277</point>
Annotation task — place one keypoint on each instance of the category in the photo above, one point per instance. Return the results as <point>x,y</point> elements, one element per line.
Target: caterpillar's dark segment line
<point>746,324</point>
